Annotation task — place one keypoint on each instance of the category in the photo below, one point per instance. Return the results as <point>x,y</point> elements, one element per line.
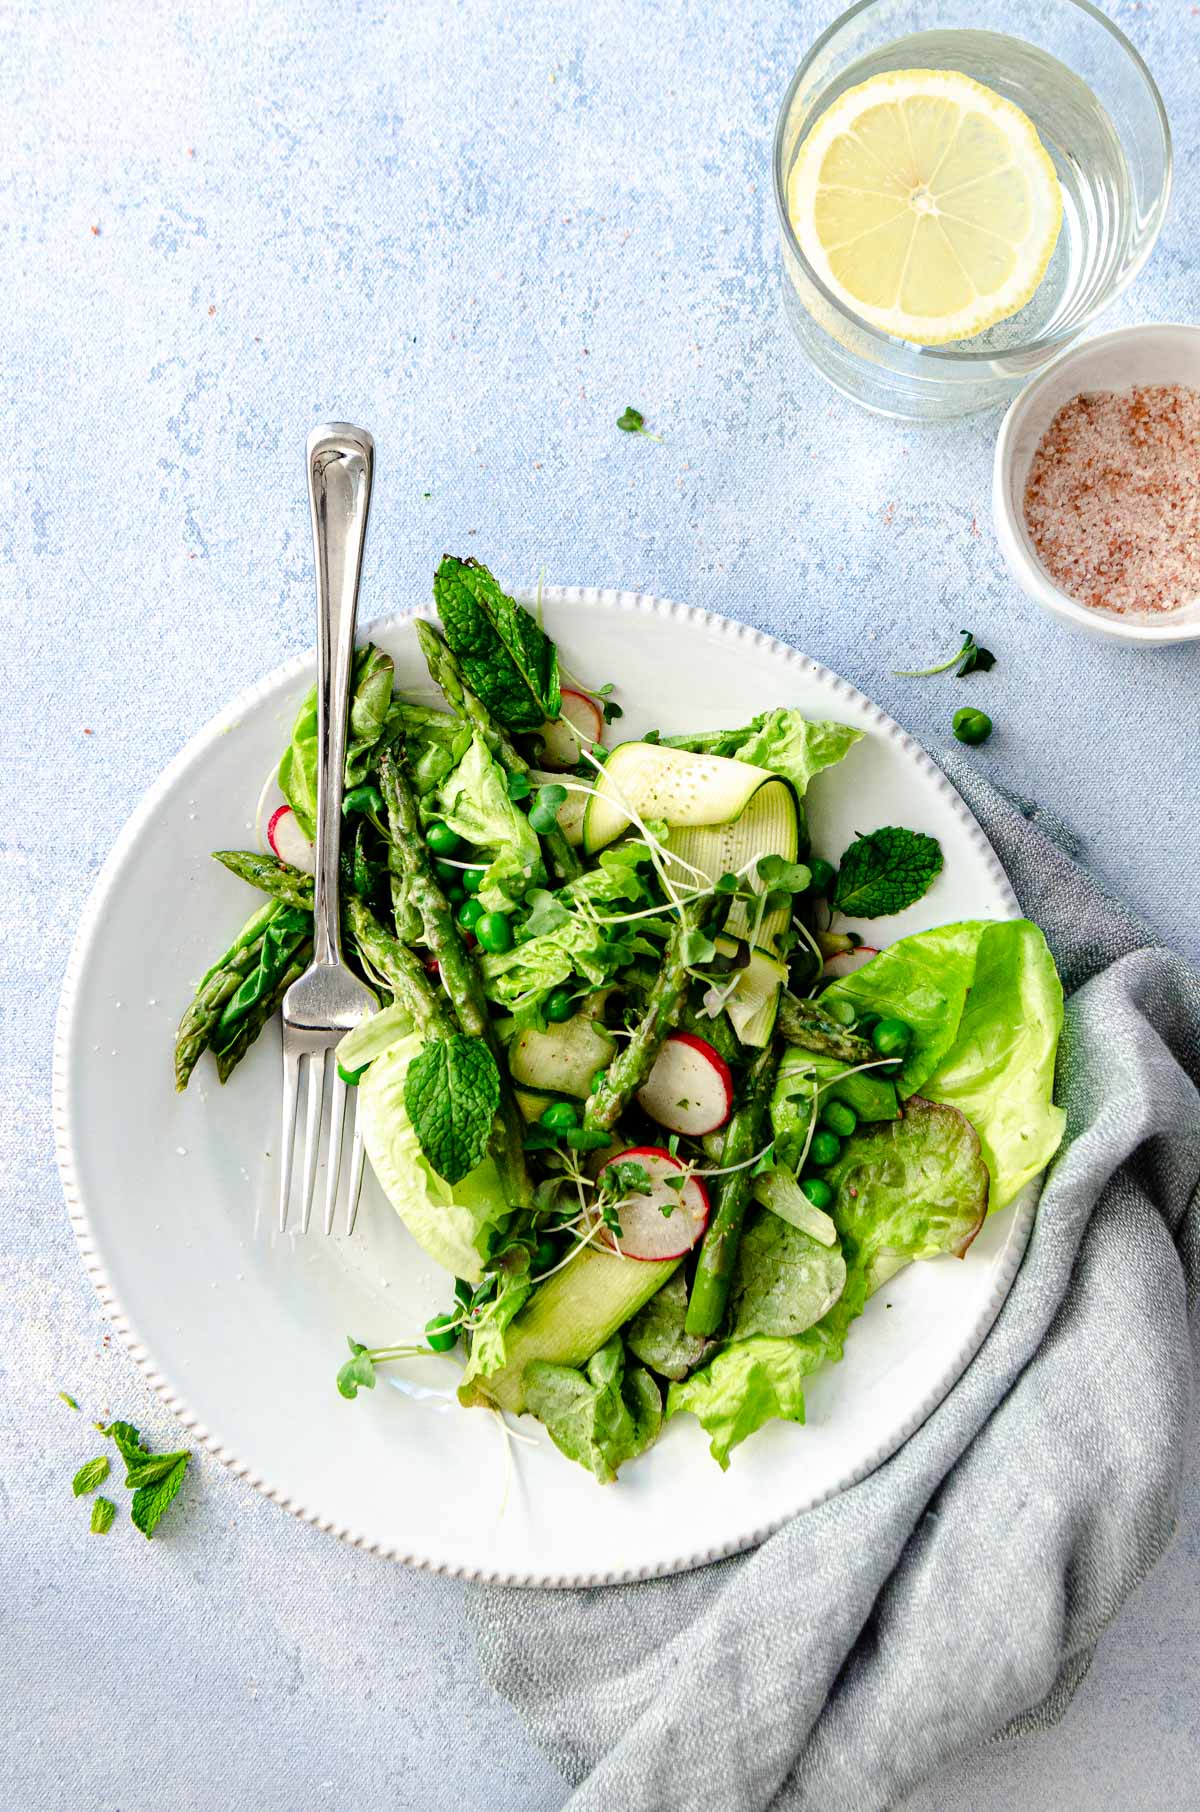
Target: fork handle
<point>341,462</point>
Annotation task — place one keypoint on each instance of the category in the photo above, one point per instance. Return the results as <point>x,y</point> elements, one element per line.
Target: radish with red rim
<point>662,1209</point>
<point>579,725</point>
<point>279,829</point>
<point>690,1088</point>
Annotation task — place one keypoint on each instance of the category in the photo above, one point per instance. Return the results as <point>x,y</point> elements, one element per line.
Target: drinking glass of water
<point>941,240</point>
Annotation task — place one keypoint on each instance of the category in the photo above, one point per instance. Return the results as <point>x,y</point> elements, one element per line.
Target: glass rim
<point>964,356</point>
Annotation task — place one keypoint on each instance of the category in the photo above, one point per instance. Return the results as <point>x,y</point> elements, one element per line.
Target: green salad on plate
<point>664,1123</point>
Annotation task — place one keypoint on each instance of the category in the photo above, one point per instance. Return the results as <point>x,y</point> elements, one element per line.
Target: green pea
<point>441,839</point>
<point>441,1334</point>
<point>972,726</point>
<point>841,1010</point>
<point>494,932</point>
<point>598,1078</point>
<point>837,1118</point>
<point>559,1006</point>
<point>560,1116</point>
<point>472,879</point>
<point>892,1037</point>
<point>447,872</point>
<point>818,1191</point>
<point>455,894</point>
<point>826,1149</point>
<point>469,914</point>
<point>822,873</point>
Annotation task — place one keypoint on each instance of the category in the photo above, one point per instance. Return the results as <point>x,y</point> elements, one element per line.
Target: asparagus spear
<point>399,968</point>
<point>460,977</point>
<point>718,1253</point>
<point>204,1013</point>
<point>664,1003</point>
<point>250,932</point>
<point>290,885</point>
<point>802,1023</point>
<point>263,1010</point>
<point>445,670</point>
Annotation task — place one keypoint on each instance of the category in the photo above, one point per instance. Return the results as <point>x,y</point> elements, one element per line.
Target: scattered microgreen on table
<point>971,657</point>
<point>632,421</point>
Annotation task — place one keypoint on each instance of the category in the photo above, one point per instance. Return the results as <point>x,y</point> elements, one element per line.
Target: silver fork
<point>328,1001</point>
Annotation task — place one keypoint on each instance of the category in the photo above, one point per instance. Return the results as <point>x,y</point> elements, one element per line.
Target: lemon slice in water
<point>927,204</point>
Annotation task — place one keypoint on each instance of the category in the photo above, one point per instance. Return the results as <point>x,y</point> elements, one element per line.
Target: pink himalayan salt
<point>1113,498</point>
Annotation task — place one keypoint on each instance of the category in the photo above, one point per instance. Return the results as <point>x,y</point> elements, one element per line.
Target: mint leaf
<point>68,1399</point>
<point>91,1475</point>
<point>451,1093</point>
<point>885,871</point>
<point>507,659</point>
<point>358,1373</point>
<point>128,1440</point>
<point>150,1471</point>
<point>103,1511</point>
<point>151,1500</point>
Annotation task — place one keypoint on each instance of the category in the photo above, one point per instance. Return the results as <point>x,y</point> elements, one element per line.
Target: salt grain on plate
<point>1112,501</point>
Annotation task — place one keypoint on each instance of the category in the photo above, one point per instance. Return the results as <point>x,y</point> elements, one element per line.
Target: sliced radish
<point>278,830</point>
<point>289,842</point>
<point>690,1089</point>
<point>580,724</point>
<point>663,1222</point>
<point>849,961</point>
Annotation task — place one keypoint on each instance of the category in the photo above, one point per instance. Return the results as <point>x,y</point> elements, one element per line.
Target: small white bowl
<point>1163,353</point>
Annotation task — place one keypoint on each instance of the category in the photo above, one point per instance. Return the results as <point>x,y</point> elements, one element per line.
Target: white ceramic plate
<point>241,1330</point>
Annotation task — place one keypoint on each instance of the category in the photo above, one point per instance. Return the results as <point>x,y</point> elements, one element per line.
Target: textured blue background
<point>481,230</point>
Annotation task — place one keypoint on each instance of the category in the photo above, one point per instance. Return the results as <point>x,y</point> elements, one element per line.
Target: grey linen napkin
<point>955,1594</point>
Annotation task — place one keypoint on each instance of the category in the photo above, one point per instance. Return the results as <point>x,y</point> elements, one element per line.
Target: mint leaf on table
<point>128,1440</point>
<point>507,658</point>
<point>153,1469</point>
<point>152,1499</point>
<point>451,1093</point>
<point>91,1475</point>
<point>103,1512</point>
<point>68,1399</point>
<point>885,871</point>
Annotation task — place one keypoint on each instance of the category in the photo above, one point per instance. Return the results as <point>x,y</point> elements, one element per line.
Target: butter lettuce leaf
<point>601,1416</point>
<point>792,746</point>
<point>908,1189</point>
<point>578,941</point>
<point>985,1005</point>
<point>761,1379</point>
<point>999,1071</point>
<point>474,801</point>
<point>657,1336</point>
<point>785,1280</point>
<point>456,1224</point>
